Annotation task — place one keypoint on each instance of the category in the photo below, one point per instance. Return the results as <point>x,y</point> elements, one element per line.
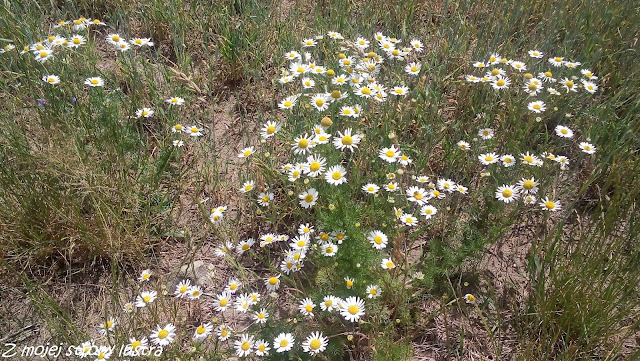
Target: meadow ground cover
<point>329,180</point>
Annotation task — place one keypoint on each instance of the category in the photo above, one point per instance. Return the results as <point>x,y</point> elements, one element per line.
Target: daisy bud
<point>332,207</point>
<point>290,193</point>
<point>400,172</point>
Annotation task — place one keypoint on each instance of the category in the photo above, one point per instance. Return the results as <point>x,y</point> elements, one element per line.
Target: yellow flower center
<point>144,112</point>
<point>536,106</point>
<point>200,330</point>
<point>353,309</point>
<point>428,211</point>
<point>308,308</point>
<point>398,91</point>
<point>586,147</point>
<point>339,236</point>
<point>471,298</point>
<point>183,289</point>
<point>303,143</point>
<point>138,41</point>
<point>261,348</point>
<point>395,52</point>
<point>349,283</point>
<point>195,293</point>
<point>284,343</point>
<point>390,264</point>
<point>51,80</point>
<point>248,187</point>
<point>224,333</point>
<point>315,344</point>
<point>347,140</point>
<point>414,69</point>
<point>528,184</point>
<point>43,54</point>
<point>328,303</point>
<point>329,250</point>
<point>224,302</point>
<point>246,153</point>
<point>77,22</point>
<point>569,83</point>
<point>314,166</point>
<point>336,175</point>
<point>488,158</point>
<point>390,154</point>
<point>528,159</point>
<point>76,41</point>
<point>308,198</point>
<point>437,192</point>
<point>548,74</point>
<point>146,299</point>
<point>417,195</point>
<point>301,243</point>
<point>564,131</point>
<point>373,291</point>
<point>346,112</point>
<point>245,247</point>
<point>370,189</point>
<point>94,81</point>
<point>135,344</point>
<point>550,205</point>
<point>366,91</point>
<point>324,237</point>
<point>108,324</point>
<point>507,193</point>
<point>245,346</point>
<point>233,286</point>
<point>163,334</point>
<point>265,199</point>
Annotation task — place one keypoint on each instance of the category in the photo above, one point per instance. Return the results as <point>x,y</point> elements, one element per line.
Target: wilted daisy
<point>51,79</point>
<point>283,342</point>
<point>144,113</point>
<point>308,198</point>
<point>146,298</point>
<point>550,205</point>
<point>264,198</point>
<point>469,298</point>
<point>175,101</point>
<point>244,345</point>
<point>94,82</point>
<point>507,193</point>
<point>315,343</point>
<point>387,263</point>
<point>352,309</point>
<point>202,331</point>
<point>587,147</point>
<point>163,336</point>
<point>537,106</point>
